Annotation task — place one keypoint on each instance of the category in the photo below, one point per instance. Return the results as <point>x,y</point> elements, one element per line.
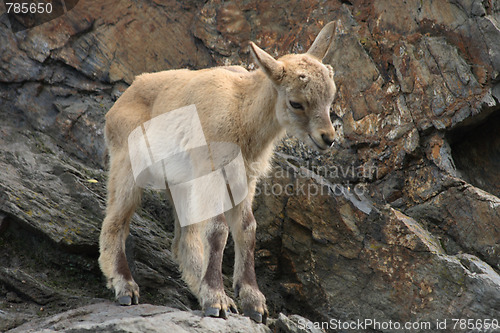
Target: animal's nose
<point>327,139</point>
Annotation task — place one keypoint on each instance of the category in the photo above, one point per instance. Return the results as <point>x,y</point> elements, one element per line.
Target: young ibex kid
<point>250,109</point>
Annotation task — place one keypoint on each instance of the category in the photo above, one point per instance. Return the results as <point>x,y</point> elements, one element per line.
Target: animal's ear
<point>273,68</point>
<point>323,41</point>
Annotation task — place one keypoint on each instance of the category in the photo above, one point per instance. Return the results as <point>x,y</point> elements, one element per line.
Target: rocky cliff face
<point>400,221</point>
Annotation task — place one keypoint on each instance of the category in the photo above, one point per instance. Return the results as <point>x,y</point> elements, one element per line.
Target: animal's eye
<point>296,105</point>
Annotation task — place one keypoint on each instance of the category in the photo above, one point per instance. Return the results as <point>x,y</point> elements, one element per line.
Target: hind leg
<point>200,249</point>
<point>187,250</point>
<point>212,297</point>
<point>190,255</point>
<point>123,197</point>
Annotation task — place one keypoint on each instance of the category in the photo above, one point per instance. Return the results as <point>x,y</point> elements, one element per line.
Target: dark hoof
<point>125,300</point>
<point>211,312</point>
<point>257,316</point>
<point>254,315</point>
<point>216,313</point>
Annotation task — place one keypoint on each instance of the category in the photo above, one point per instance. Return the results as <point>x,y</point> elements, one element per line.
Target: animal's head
<point>305,89</point>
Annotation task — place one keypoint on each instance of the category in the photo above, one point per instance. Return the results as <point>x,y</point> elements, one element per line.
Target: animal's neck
<point>260,125</point>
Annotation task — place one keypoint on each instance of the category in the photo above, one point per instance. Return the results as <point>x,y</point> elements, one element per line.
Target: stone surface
<point>378,263</point>
<point>399,221</point>
<point>108,317</point>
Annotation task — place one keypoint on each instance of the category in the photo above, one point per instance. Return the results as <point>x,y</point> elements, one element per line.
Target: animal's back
<point>211,90</point>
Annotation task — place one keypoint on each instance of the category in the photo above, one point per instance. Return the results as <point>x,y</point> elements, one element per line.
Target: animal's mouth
<point>315,143</point>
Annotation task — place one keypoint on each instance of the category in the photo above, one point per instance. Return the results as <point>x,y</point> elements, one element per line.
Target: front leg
<point>245,285</point>
<point>212,297</point>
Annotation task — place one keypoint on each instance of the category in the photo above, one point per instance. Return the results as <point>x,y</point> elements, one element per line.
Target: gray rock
<point>108,317</point>
<point>295,324</point>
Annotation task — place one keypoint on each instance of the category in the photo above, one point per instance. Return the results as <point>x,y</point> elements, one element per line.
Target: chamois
<point>251,109</point>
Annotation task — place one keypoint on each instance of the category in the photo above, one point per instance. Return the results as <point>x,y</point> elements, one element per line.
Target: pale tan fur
<point>251,109</point>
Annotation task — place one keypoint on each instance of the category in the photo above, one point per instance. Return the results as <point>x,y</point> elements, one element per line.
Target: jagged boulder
<point>106,317</point>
